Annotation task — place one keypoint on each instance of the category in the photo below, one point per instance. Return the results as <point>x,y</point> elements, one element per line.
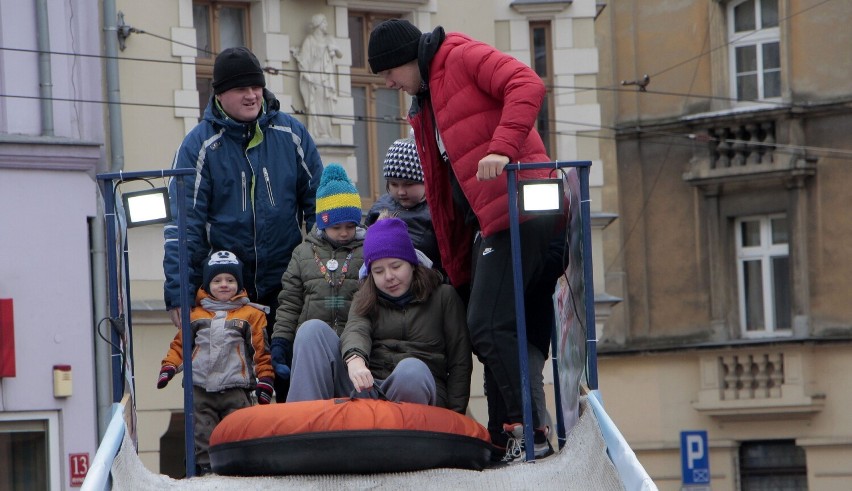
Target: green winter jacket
<point>434,331</point>
<point>307,293</point>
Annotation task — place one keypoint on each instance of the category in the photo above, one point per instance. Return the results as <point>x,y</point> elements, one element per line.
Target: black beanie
<point>393,43</point>
<point>222,262</point>
<point>237,67</point>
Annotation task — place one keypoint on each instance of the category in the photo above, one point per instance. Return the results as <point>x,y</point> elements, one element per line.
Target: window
<point>763,275</point>
<point>379,112</point>
<point>755,53</point>
<point>24,455</point>
<point>218,26</point>
<point>772,465</point>
<point>542,63</point>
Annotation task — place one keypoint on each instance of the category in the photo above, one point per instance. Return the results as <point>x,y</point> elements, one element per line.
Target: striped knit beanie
<point>337,199</point>
<point>402,161</point>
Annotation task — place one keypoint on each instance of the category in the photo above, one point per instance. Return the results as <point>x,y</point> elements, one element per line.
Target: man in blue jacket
<point>256,174</point>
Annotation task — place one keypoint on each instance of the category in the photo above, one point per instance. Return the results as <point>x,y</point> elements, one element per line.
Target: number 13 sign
<point>79,465</point>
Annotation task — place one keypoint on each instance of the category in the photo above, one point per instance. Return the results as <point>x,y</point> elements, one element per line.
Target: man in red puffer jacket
<point>474,111</point>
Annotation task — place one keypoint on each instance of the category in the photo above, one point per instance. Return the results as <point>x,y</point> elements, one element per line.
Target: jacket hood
<point>429,44</point>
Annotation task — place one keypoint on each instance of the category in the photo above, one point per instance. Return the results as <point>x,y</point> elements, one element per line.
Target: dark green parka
<point>433,331</point>
<point>309,293</point>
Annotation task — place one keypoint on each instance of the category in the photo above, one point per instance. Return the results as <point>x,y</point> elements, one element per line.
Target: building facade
<point>728,121</point>
<point>52,143</point>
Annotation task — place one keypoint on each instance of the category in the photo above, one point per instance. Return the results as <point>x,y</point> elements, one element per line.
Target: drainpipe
<point>103,367</point>
<point>45,83</point>
<point>103,354</point>
<point>116,140</point>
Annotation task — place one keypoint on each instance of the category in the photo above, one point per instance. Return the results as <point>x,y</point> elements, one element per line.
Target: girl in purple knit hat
<point>406,334</point>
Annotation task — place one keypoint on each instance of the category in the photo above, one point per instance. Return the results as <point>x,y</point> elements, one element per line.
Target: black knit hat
<point>393,43</point>
<point>237,67</point>
<point>222,262</point>
<point>403,162</point>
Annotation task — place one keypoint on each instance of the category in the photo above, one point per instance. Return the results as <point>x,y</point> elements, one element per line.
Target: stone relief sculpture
<point>315,59</point>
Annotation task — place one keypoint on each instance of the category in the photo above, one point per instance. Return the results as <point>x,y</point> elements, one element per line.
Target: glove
<point>281,356</point>
<point>166,374</point>
<point>264,390</point>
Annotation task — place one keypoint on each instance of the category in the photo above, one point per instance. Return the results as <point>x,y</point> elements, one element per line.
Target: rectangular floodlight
<point>147,207</point>
<point>541,196</point>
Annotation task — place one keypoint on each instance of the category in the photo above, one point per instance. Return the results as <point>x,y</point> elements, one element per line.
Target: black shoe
<point>203,470</point>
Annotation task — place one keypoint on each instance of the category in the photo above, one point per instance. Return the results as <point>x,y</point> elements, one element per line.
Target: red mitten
<point>166,374</point>
<point>264,390</point>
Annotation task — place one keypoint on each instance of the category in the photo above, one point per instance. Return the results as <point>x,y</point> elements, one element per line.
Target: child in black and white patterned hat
<point>406,198</point>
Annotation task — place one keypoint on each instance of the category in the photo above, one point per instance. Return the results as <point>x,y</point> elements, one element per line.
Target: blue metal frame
<point>107,181</point>
<point>520,313</point>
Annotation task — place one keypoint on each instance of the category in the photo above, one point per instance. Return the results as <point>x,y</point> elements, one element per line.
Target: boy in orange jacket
<point>229,350</point>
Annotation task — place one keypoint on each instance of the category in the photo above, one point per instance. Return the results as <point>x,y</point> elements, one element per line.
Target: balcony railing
<point>744,149</point>
<point>746,144</point>
<point>751,384</point>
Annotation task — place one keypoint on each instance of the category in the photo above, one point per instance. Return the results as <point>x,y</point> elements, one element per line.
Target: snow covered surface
<point>582,464</point>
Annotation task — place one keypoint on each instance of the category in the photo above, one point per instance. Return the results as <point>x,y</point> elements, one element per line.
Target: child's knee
<point>412,367</point>
<point>311,329</point>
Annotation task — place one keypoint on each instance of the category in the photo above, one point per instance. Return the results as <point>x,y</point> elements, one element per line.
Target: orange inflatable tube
<point>339,436</point>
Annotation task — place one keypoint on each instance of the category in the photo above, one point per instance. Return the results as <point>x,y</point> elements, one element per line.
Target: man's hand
<point>491,166</point>
<point>359,374</point>
<point>174,314</point>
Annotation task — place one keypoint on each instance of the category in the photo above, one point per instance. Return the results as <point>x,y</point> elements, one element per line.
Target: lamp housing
<point>541,196</point>
<point>147,207</point>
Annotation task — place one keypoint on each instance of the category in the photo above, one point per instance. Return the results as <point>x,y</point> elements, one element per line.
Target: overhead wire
<point>293,73</point>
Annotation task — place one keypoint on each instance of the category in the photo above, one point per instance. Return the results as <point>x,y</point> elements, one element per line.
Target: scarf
<point>399,302</point>
<point>210,303</point>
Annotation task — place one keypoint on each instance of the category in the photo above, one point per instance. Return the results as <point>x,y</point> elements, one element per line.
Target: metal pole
<point>183,258</point>
<point>128,320</point>
<point>107,181</point>
<point>588,279</point>
<point>520,312</point>
<point>557,392</point>
<point>109,218</point>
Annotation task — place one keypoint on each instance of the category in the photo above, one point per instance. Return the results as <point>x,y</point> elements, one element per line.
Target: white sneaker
<point>515,450</point>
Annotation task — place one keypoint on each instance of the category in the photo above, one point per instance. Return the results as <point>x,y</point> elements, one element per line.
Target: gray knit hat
<point>403,162</point>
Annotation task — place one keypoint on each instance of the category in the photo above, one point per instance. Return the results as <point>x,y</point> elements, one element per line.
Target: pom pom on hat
<point>403,162</point>
<point>236,67</point>
<point>393,43</point>
<point>388,237</point>
<point>337,199</point>
<point>222,262</point>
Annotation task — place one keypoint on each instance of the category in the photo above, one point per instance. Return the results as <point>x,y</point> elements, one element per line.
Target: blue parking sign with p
<point>695,458</point>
